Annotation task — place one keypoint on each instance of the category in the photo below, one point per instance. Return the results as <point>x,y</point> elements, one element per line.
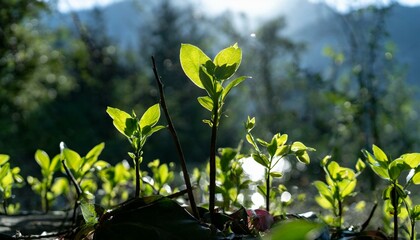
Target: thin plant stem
<point>137,163</point>
<point>212,190</point>
<point>394,199</point>
<point>366,223</point>
<point>76,185</point>
<point>340,213</point>
<point>174,135</point>
<point>46,205</point>
<point>413,229</point>
<point>267,195</point>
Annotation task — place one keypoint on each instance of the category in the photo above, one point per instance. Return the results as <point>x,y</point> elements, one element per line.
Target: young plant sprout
<point>211,76</point>
<point>340,183</point>
<point>9,178</point>
<point>49,188</point>
<point>396,194</point>
<point>271,155</point>
<point>137,131</point>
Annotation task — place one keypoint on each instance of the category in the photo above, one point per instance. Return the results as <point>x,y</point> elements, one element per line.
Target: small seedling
<point>211,76</point>
<point>396,194</point>
<point>9,178</point>
<point>48,187</point>
<point>340,184</point>
<point>231,177</point>
<point>273,152</point>
<point>115,183</point>
<point>137,131</point>
<point>162,177</point>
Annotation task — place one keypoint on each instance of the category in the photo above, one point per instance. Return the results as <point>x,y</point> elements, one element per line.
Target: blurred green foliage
<point>56,83</point>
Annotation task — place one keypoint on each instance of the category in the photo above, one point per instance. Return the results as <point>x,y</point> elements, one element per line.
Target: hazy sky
<point>253,7</point>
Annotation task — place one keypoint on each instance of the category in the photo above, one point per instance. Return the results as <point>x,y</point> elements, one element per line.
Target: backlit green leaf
<point>416,212</point>
<point>156,129</point>
<point>334,169</point>
<point>325,160</point>
<point>370,158</point>
<point>347,187</point>
<point>121,121</point>
<point>416,178</point>
<point>95,151</point>
<point>282,150</point>
<point>73,159</point>
<point>4,170</point>
<point>411,159</point>
<point>206,102</point>
<point>192,58</point>
<point>298,146</point>
<point>4,158</point>
<point>250,123</point>
<point>281,139</point>
<point>150,117</point>
<point>163,173</point>
<point>379,154</point>
<point>272,147</point>
<point>250,140</point>
<point>262,142</point>
<point>89,213</point>
<point>380,171</point>
<point>207,81</point>
<point>395,168</point>
<point>55,164</point>
<point>231,85</point>
<point>227,62</point>
<point>360,165</point>
<point>323,202</point>
<point>42,159</point>
<point>261,159</point>
<point>323,189</point>
<point>303,157</point>
<point>276,174</point>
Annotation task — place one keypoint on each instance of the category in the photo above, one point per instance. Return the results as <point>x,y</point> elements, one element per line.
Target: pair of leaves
<point>128,125</point>
<point>340,183</point>
<point>47,165</point>
<point>161,173</point>
<point>391,170</point>
<point>80,165</point>
<point>210,75</point>
<point>194,62</point>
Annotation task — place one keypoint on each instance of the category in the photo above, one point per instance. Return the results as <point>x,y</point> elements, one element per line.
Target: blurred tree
<point>102,77</point>
<point>172,25</point>
<point>31,72</point>
<point>374,103</point>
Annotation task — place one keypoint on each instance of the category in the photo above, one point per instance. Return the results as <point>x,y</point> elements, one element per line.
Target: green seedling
<point>211,76</point>
<point>396,194</point>
<point>272,153</point>
<point>162,177</point>
<point>81,169</point>
<point>9,178</point>
<point>115,183</point>
<point>340,184</point>
<point>137,131</point>
<point>231,177</point>
<point>49,188</point>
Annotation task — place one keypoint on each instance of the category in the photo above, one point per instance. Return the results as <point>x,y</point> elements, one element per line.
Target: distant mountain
<point>312,23</point>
